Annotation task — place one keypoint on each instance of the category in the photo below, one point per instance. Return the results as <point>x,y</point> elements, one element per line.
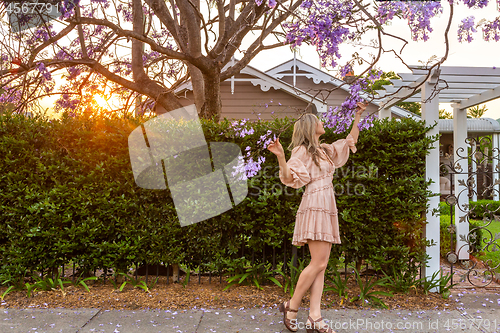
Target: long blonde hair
<point>304,131</point>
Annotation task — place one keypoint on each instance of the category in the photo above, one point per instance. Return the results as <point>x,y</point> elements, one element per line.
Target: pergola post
<point>461,192</point>
<point>494,175</point>
<point>430,113</point>
<point>385,112</point>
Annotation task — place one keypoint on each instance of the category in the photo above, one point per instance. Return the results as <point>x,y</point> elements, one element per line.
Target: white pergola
<point>464,87</point>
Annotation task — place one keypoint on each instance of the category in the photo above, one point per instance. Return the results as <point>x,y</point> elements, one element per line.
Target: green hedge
<point>477,209</point>
<point>68,196</point>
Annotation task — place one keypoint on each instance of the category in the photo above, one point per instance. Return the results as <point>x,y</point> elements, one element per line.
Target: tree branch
<point>130,34</point>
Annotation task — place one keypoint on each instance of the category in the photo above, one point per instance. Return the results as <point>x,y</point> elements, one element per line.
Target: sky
<point>478,53</point>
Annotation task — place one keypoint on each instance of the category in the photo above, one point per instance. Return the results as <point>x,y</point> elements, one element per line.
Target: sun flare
<point>101,101</point>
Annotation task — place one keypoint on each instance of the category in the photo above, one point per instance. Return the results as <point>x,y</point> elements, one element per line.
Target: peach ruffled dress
<point>317,214</point>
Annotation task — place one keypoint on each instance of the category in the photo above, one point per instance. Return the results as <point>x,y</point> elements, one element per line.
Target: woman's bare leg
<point>320,252</point>
<point>317,292</point>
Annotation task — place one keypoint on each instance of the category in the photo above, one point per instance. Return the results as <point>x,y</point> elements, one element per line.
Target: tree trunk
<point>212,107</point>
<point>198,84</point>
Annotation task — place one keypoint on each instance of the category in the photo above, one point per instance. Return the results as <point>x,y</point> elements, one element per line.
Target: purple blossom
<point>41,34</point>
<point>73,72</point>
<point>345,70</point>
<point>65,102</point>
<point>249,168</point>
<point>374,75</point>
<point>241,128</point>
<point>465,29</point>
<point>43,70</point>
<point>418,15</point>
<point>125,11</point>
<point>10,95</point>
<point>265,139</point>
<point>341,118</point>
<point>491,30</point>
<point>271,3</point>
<point>321,24</point>
<point>66,7</point>
<point>475,3</point>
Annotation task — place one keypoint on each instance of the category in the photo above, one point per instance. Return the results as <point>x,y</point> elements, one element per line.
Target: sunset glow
<point>101,101</point>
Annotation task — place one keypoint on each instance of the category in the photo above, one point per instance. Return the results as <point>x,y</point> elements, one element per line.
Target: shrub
<point>69,196</point>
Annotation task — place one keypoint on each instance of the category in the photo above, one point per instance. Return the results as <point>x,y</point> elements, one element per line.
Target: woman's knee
<point>319,265</point>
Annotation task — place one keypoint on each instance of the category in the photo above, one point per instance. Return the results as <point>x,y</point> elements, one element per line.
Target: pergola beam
<point>451,85</point>
<point>408,77</point>
<point>480,98</point>
<point>457,70</point>
<point>450,90</point>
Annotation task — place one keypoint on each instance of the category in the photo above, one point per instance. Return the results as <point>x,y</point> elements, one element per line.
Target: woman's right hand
<point>276,148</point>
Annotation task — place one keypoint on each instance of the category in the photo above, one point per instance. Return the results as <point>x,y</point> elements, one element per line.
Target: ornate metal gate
<point>481,181</point>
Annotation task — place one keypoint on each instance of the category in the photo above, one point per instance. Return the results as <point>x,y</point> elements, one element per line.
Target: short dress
<point>317,214</point>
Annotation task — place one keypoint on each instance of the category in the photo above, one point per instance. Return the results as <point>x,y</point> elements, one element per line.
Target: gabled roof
<point>319,76</point>
<point>266,81</point>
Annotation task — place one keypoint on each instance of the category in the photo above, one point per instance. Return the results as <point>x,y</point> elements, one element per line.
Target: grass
<point>490,254</point>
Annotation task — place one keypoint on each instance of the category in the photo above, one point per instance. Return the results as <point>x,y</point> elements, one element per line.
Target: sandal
<point>285,308</point>
<point>315,327</point>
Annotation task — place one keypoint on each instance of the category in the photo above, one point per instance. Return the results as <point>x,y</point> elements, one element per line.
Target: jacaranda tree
<point>137,49</point>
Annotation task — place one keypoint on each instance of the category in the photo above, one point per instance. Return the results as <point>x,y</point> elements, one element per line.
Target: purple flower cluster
<point>270,3</point>
<point>66,7</point>
<point>124,67</point>
<point>388,9</point>
<point>65,102</point>
<point>465,29</point>
<point>43,70</point>
<point>73,72</point>
<point>149,57</point>
<point>10,95</point>
<point>126,11</point>
<point>241,128</point>
<point>321,24</point>
<point>418,15</point>
<point>340,119</point>
<point>266,139</point>
<point>41,35</point>
<point>247,167</point>
<point>491,30</point>
<point>344,70</point>
<point>367,122</point>
<point>476,3</point>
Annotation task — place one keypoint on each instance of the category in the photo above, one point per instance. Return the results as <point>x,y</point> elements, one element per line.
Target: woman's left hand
<point>360,108</point>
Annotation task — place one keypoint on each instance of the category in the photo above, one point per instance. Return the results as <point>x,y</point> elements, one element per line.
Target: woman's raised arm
<point>276,148</point>
<point>355,130</point>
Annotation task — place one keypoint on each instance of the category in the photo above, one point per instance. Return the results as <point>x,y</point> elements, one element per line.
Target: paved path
<point>473,313</point>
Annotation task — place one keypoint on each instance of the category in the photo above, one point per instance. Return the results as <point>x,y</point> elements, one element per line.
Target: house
<point>285,90</point>
<point>294,86</point>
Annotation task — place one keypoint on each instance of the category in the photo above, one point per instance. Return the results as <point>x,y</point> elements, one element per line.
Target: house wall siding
<point>249,101</point>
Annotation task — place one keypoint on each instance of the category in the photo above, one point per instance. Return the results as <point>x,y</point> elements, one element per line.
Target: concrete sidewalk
<point>471,313</point>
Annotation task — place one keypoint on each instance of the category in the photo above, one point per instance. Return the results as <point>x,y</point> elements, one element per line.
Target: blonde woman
<point>313,164</point>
